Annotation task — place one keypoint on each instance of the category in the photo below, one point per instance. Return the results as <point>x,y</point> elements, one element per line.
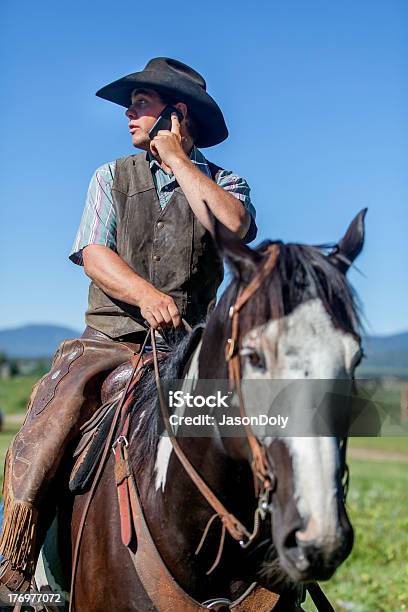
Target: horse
<point>301,322</point>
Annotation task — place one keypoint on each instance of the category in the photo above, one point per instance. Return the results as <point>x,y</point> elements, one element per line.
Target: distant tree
<point>14,370</point>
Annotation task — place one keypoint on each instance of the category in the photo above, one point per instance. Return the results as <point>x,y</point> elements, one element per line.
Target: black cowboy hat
<point>177,80</point>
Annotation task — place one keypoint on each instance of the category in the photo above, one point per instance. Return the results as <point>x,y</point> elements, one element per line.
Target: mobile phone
<point>164,121</point>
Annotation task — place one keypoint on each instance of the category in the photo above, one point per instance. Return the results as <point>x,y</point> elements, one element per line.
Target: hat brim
<point>208,118</point>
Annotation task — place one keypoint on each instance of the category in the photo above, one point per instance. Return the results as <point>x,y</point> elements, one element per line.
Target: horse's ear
<point>350,246</point>
<point>242,258</point>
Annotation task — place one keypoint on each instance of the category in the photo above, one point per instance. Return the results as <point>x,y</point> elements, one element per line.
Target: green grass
<point>396,444</point>
<point>8,433</point>
<point>14,393</point>
<point>375,576</point>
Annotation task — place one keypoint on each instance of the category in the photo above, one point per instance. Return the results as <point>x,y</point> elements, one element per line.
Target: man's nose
<point>131,113</point>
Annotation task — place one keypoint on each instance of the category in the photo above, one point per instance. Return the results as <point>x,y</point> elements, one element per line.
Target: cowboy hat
<point>177,80</point>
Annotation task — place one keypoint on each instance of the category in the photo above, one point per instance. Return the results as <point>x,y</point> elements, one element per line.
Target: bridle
<point>264,477</point>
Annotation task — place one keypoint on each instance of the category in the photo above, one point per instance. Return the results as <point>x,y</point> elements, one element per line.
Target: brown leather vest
<point>170,248</point>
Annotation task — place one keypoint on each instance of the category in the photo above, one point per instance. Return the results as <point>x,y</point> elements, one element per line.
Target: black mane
<point>145,398</point>
<point>302,272</point>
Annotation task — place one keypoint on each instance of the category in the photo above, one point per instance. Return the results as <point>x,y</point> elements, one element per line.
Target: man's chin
<point>141,141</point>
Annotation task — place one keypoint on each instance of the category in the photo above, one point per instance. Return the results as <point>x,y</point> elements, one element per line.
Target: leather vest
<point>168,247</point>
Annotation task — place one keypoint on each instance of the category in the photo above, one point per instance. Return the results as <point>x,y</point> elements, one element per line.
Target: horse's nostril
<point>290,540</point>
<point>296,553</point>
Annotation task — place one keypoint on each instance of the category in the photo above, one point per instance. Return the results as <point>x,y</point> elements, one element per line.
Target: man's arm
<point>197,187</point>
<point>111,274</point>
<point>95,248</point>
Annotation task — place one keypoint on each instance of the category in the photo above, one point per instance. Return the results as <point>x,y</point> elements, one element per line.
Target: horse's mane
<point>302,272</point>
<point>147,429</point>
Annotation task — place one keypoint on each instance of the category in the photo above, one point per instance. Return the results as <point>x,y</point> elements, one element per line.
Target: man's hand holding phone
<point>166,144</point>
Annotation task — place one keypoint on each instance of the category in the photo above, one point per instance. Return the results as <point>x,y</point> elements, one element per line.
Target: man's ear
<point>183,108</point>
<point>351,245</point>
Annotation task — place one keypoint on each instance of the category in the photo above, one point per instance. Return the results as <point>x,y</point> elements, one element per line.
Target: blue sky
<point>315,95</point>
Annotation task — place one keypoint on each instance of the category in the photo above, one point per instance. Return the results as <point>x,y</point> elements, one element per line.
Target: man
<point>146,245</point>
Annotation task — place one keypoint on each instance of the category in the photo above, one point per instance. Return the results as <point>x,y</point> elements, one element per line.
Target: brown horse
<point>301,323</point>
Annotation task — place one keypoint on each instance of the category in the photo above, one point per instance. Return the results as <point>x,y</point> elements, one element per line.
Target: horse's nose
<point>293,552</point>
<point>308,558</point>
<point>313,559</point>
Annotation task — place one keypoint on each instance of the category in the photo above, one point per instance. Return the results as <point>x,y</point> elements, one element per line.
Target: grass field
<point>375,577</point>
<point>14,393</point>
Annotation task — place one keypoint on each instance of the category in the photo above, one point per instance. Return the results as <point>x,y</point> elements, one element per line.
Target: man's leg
<point>62,400</point>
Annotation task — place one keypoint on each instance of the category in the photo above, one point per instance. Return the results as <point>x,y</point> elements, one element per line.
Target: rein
<point>262,478</point>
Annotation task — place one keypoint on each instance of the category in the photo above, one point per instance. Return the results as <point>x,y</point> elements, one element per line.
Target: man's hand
<point>111,274</point>
<point>167,146</point>
<point>159,309</point>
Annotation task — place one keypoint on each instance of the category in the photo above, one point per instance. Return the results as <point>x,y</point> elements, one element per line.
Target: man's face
<point>142,114</point>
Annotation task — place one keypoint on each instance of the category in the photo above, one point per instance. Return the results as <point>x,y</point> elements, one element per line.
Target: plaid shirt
<point>98,223</point>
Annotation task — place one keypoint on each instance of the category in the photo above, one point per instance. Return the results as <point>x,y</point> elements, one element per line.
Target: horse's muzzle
<point>305,560</point>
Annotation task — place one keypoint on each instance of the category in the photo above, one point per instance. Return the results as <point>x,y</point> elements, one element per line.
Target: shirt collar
<point>196,157</point>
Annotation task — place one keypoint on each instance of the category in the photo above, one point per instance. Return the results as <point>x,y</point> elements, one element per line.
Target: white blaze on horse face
<point>305,345</point>
<point>315,463</point>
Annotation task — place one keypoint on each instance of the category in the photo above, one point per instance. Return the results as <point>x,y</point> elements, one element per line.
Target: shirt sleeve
<point>98,223</point>
<point>239,188</point>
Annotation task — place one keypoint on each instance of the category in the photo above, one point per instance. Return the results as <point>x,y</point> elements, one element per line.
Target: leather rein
<point>262,477</point>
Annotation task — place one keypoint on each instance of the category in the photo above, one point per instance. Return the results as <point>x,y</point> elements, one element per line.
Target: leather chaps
<point>63,400</point>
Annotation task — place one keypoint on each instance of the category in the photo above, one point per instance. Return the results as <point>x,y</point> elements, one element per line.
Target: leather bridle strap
<point>231,523</point>
<point>259,461</point>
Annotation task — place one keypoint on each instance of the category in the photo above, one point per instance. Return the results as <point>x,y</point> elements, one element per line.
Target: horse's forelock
<point>302,272</point>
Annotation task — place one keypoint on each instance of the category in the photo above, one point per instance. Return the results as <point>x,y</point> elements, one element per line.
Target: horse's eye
<point>256,360</point>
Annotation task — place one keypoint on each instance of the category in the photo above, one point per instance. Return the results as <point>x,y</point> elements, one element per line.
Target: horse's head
<point>302,324</point>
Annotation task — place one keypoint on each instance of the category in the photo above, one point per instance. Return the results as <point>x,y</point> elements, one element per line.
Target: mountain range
<point>34,341</point>
<point>383,353</point>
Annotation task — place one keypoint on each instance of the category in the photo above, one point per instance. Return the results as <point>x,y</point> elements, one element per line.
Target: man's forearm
<point>197,187</point>
<point>111,274</point>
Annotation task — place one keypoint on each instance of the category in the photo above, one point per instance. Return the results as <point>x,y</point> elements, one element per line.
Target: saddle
<point>94,432</point>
